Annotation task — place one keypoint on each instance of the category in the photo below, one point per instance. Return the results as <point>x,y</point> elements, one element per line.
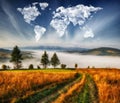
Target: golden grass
<point>108,84</point>
<point>77,86</point>
<point>16,84</point>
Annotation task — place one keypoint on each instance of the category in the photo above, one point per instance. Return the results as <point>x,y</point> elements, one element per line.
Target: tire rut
<point>59,92</point>
<point>63,97</point>
<point>94,97</point>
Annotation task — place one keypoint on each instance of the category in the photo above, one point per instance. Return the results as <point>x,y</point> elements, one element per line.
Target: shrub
<point>76,66</point>
<point>88,67</point>
<point>93,67</point>
<point>63,66</point>
<point>31,66</point>
<point>77,75</point>
<point>4,67</point>
<point>38,67</point>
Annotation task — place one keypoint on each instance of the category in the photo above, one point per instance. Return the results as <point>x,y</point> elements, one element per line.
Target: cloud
<point>8,10</point>
<point>29,13</point>
<point>39,31</point>
<point>43,5</point>
<point>87,32</point>
<point>35,3</point>
<point>77,15</point>
<point>60,26</point>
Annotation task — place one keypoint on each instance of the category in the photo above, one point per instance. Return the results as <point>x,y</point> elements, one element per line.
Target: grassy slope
<point>103,51</point>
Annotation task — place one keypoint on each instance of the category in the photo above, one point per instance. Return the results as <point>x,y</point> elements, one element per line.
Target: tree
<point>88,67</point>
<point>55,60</point>
<point>4,67</point>
<point>76,65</point>
<point>38,67</point>
<point>31,66</point>
<point>16,57</point>
<point>63,66</point>
<point>45,60</point>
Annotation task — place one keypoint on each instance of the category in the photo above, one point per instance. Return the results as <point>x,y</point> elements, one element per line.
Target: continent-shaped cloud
<point>43,5</point>
<point>29,13</point>
<point>39,31</point>
<point>77,15</point>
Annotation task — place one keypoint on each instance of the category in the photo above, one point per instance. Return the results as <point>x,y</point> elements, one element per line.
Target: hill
<point>103,51</point>
<point>5,54</point>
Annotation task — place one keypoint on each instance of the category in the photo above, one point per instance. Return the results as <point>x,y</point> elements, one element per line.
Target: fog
<point>71,58</point>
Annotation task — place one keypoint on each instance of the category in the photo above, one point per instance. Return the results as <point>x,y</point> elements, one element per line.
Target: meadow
<point>60,86</point>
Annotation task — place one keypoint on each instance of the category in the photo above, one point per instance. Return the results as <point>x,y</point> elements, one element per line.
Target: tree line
<point>16,59</point>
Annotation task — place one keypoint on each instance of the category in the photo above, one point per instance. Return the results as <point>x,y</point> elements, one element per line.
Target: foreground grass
<point>39,95</point>
<point>70,95</point>
<point>18,83</point>
<point>107,82</point>
<point>53,85</point>
<point>42,70</point>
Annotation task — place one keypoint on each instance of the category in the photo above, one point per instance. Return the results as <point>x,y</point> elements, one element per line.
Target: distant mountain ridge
<point>56,48</point>
<point>103,51</point>
<point>4,50</point>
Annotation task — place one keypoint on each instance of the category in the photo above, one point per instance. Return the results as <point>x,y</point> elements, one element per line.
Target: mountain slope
<point>4,54</point>
<point>103,51</point>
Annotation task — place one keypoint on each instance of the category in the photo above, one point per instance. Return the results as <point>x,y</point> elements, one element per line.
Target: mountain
<point>4,54</point>
<point>4,50</point>
<point>55,48</point>
<point>103,51</point>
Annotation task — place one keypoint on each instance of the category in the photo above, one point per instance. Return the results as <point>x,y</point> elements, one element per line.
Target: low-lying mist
<point>70,59</point>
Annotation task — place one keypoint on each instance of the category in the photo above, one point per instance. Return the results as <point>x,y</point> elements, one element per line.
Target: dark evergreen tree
<point>55,60</point>
<point>45,60</point>
<point>16,57</point>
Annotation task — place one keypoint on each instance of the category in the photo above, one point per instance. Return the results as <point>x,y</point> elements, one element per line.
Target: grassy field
<point>60,86</point>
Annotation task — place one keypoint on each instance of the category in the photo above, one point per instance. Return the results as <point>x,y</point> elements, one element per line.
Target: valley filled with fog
<point>70,59</point>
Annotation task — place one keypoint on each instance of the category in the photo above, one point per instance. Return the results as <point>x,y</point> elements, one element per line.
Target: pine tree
<point>16,57</point>
<point>45,60</point>
<point>55,60</point>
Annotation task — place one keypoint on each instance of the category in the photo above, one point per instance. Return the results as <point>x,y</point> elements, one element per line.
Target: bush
<point>76,66</point>
<point>93,67</point>
<point>77,75</point>
<point>88,67</point>
<point>31,66</point>
<point>63,66</point>
<point>38,67</point>
<point>4,67</point>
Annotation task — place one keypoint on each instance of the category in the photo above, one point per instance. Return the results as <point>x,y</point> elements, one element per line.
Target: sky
<point>75,23</point>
